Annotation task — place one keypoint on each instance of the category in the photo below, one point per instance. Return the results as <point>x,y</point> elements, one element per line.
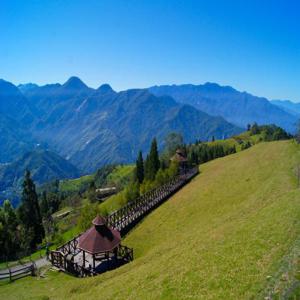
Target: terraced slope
<point>227,235</point>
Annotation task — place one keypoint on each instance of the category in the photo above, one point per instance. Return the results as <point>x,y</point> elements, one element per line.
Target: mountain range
<point>288,106</point>
<point>239,108</point>
<point>92,127</point>
<point>88,127</point>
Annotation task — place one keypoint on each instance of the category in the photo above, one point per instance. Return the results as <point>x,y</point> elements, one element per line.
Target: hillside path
<point>41,262</point>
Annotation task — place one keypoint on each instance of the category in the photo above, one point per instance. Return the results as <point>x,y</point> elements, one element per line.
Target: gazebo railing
<point>125,253</point>
<point>70,246</point>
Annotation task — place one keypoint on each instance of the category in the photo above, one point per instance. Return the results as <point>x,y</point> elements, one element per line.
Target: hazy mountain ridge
<point>289,106</point>
<point>239,108</point>
<point>94,127</point>
<point>14,140</point>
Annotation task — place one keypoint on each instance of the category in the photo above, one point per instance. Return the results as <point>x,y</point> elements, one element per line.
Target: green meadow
<point>232,233</point>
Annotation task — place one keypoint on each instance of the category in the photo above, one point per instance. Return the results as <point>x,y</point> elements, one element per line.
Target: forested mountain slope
<point>44,166</point>
<point>95,127</point>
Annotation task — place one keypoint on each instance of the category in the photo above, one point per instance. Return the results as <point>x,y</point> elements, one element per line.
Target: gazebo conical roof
<point>98,221</point>
<point>99,238</point>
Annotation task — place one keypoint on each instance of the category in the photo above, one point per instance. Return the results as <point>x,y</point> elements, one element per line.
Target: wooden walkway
<point>123,220</point>
<point>126,217</point>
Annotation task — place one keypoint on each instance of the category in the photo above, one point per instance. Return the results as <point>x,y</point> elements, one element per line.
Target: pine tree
<point>29,211</point>
<point>44,205</point>
<point>140,168</point>
<point>9,226</point>
<point>152,163</point>
<point>255,129</point>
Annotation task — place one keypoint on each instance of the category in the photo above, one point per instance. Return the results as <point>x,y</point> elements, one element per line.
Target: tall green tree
<point>9,235</point>
<point>44,205</point>
<point>255,129</point>
<point>152,163</point>
<point>140,168</point>
<point>29,211</point>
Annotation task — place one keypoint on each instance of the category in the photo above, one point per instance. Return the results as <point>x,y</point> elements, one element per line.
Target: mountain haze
<point>239,108</point>
<point>94,127</point>
<point>289,106</point>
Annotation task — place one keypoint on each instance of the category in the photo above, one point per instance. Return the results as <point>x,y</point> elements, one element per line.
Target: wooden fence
<point>123,220</point>
<point>18,272</point>
<point>126,217</point>
<point>59,260</point>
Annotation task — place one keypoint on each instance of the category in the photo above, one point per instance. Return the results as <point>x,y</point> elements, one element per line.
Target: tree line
<point>21,230</point>
<point>149,172</point>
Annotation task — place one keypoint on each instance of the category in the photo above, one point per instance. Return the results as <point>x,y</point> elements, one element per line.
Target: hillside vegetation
<point>230,234</point>
<point>44,166</point>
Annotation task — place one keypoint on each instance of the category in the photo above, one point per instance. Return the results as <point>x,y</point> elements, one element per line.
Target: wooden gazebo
<point>100,241</point>
<point>95,251</point>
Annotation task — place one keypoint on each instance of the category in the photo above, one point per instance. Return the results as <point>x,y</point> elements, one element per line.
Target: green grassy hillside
<point>119,176</point>
<point>232,233</point>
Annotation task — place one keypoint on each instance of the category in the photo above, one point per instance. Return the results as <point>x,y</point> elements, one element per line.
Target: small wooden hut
<point>181,159</point>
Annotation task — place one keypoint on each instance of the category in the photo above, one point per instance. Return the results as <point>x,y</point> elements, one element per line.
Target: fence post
<point>33,269</point>
<point>10,277</point>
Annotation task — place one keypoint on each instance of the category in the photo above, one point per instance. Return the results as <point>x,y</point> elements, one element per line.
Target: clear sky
<point>250,45</point>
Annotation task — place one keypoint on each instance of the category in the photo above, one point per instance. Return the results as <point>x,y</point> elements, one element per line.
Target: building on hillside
<point>181,159</point>
<point>95,251</point>
<point>103,193</point>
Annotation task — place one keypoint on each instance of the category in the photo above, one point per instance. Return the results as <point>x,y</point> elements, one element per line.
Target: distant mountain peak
<point>8,89</point>
<point>75,83</point>
<point>216,86</point>
<point>105,88</point>
<point>27,86</point>
<point>212,84</point>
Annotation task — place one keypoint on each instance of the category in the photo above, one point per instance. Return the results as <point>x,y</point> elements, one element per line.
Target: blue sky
<point>250,45</point>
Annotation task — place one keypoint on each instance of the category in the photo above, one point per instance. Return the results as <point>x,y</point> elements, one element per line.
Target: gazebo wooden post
<point>94,261</point>
<point>83,258</point>
<point>116,252</point>
<point>107,258</point>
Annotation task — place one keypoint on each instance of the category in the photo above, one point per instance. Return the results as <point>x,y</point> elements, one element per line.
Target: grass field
<point>75,185</point>
<point>232,233</point>
<point>120,175</point>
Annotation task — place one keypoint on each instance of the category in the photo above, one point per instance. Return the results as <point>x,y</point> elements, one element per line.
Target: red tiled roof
<point>99,238</point>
